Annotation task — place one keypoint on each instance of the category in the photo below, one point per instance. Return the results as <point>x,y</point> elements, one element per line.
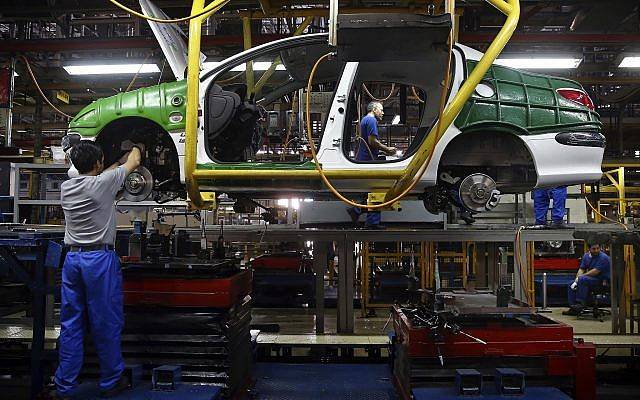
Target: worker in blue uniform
<point>594,270</point>
<point>369,147</point>
<point>91,293</point>
<point>541,200</point>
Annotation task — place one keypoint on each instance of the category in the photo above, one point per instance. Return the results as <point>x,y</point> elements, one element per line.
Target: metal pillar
<point>520,277</point>
<point>37,128</point>
<point>618,308</point>
<point>9,110</point>
<point>320,263</point>
<point>346,272</point>
<point>246,37</point>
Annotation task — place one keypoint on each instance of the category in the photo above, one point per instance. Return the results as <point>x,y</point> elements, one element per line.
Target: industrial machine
<point>182,301</point>
<point>446,332</point>
<point>283,280</point>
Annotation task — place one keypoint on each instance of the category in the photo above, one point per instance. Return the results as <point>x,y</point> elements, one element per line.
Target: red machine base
<point>187,292</point>
<point>544,344</point>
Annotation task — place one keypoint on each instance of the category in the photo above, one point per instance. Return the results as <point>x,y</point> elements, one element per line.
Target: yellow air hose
<point>422,169</point>
<point>210,9</point>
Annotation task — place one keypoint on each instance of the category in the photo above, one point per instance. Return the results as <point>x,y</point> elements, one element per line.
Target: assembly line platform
<point>143,391</point>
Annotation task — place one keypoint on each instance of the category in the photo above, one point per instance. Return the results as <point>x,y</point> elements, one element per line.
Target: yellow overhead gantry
<point>403,179</point>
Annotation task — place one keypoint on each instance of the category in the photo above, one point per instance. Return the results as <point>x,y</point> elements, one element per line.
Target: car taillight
<point>577,96</point>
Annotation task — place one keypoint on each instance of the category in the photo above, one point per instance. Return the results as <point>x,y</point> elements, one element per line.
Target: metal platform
<point>89,391</point>
<point>323,381</point>
<point>531,393</point>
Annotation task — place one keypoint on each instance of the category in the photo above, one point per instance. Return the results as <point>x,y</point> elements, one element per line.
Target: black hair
<point>593,244</point>
<point>84,155</point>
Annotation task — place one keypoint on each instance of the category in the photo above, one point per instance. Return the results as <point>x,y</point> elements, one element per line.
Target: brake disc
<point>478,192</point>
<point>138,184</point>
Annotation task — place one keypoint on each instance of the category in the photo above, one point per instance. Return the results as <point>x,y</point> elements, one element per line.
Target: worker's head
<point>375,108</point>
<point>87,157</point>
<point>594,249</point>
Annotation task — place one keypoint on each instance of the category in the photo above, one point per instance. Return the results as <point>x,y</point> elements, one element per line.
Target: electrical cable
<point>164,63</point>
<point>415,94</point>
<point>361,139</point>
<point>210,9</point>
<point>607,218</point>
<point>516,256</point>
<point>35,82</point>
<point>138,72</point>
<point>417,177</point>
<point>391,92</point>
<point>233,78</point>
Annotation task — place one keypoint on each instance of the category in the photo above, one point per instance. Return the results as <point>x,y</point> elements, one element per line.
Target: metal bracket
<point>378,198</point>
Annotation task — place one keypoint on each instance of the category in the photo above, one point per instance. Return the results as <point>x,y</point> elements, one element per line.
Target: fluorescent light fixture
<point>630,62</point>
<point>257,66</point>
<point>111,69</point>
<point>540,63</point>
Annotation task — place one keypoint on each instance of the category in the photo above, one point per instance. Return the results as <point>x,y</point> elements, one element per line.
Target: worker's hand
<point>134,159</point>
<point>391,151</point>
<point>139,146</point>
<point>574,285</point>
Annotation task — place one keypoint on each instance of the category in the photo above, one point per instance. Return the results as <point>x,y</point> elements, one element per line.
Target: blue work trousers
<point>582,292</point>
<point>541,199</point>
<point>91,298</point>
<point>373,217</point>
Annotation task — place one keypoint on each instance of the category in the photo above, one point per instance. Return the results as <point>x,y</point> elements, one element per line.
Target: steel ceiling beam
<point>561,38</point>
<point>86,44</point>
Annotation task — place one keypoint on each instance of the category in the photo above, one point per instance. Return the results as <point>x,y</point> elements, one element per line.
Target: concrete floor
<point>293,321</point>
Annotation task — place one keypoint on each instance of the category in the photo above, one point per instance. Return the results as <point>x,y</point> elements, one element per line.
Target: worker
<point>594,270</point>
<point>91,291</point>
<point>368,150</point>
<point>541,200</point>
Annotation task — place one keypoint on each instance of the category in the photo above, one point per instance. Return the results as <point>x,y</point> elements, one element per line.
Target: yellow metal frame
<point>617,186</point>
<point>511,8</point>
<point>367,257</point>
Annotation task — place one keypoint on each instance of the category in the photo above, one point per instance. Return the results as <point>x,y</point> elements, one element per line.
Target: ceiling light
<point>630,62</point>
<point>257,66</point>
<point>540,63</point>
<point>111,69</point>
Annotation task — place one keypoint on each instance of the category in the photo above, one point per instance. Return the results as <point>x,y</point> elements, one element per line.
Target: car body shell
<point>523,104</point>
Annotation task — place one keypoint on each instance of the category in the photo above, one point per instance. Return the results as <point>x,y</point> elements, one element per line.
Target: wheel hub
<point>478,192</point>
<point>138,184</point>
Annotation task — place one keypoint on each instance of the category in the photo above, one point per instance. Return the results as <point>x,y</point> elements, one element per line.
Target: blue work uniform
<point>541,199</point>
<point>585,283</point>
<point>91,280</point>
<point>368,127</point>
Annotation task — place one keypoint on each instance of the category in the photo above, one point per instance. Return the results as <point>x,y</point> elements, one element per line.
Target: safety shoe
<point>573,310</point>
<point>559,225</point>
<point>120,386</point>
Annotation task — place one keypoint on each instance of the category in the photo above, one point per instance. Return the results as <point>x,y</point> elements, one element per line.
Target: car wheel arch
<point>495,147</point>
